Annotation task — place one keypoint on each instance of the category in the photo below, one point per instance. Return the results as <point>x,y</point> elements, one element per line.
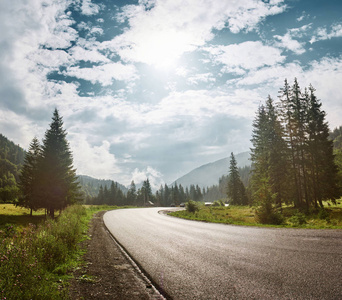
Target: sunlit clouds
<point>156,88</point>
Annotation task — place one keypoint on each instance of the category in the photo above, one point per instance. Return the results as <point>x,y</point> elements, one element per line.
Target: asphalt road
<point>196,260</point>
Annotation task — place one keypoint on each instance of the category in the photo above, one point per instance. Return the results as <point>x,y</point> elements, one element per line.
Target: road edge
<point>138,268</point>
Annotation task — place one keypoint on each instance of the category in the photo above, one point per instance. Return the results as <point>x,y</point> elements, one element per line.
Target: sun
<point>162,48</point>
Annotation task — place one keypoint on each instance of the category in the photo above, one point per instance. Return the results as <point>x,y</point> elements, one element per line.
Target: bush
<point>323,214</point>
<point>218,203</point>
<point>192,206</point>
<point>298,219</point>
<point>268,216</point>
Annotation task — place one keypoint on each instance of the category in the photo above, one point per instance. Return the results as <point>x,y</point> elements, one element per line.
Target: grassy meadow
<point>329,218</point>
<point>38,255</point>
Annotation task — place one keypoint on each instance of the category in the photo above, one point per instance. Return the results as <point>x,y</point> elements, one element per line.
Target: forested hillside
<point>11,161</point>
<point>90,186</point>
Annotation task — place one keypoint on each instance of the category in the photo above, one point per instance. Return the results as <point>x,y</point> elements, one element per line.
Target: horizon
<point>154,89</point>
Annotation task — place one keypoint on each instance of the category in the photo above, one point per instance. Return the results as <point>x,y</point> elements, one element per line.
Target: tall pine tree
<point>29,183</point>
<point>236,191</point>
<point>59,185</point>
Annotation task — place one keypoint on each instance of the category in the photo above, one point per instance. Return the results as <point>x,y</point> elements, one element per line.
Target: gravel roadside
<point>107,272</point>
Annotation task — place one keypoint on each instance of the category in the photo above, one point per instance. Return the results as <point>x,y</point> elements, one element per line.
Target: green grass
<point>37,256</point>
<point>18,216</point>
<point>330,218</point>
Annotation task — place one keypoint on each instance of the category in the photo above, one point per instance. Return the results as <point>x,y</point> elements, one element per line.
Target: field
<point>329,218</point>
<point>38,255</point>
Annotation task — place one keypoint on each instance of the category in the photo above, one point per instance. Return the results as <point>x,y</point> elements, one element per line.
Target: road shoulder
<point>107,273</point>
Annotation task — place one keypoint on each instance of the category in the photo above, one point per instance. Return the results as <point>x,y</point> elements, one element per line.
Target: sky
<point>156,88</point>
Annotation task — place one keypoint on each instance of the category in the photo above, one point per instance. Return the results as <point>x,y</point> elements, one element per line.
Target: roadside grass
<point>37,256</point>
<point>329,218</point>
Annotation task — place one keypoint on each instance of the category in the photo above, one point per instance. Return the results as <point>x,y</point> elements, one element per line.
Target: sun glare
<point>162,49</point>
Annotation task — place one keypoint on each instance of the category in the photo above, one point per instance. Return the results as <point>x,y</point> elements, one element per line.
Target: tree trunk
<point>52,213</point>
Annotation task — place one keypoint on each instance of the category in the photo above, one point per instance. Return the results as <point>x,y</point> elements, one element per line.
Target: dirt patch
<point>107,273</point>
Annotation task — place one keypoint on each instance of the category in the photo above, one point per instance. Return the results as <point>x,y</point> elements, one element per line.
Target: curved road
<point>195,260</point>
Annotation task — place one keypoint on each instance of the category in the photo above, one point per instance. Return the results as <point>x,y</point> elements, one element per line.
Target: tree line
<point>295,159</point>
<point>144,196</point>
<point>292,155</point>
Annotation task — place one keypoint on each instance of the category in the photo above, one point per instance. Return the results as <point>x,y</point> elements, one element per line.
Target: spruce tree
<point>132,194</point>
<point>59,185</point>
<point>291,118</point>
<point>29,184</point>
<point>146,191</point>
<point>277,154</point>
<point>236,191</point>
<point>323,170</point>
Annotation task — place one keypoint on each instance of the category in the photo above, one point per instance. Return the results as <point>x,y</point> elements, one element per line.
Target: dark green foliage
<point>146,192</point>
<point>90,187</point>
<point>336,137</point>
<point>110,196</point>
<point>192,206</point>
<point>132,194</point>
<point>48,179</point>
<point>218,203</point>
<point>236,191</point>
<point>298,219</point>
<point>11,152</point>
<point>176,194</point>
<point>11,160</point>
<point>29,178</point>
<point>292,155</point>
<point>323,214</point>
<point>58,182</point>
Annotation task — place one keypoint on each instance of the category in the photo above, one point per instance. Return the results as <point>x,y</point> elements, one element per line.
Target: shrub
<point>218,203</point>
<point>192,206</point>
<point>268,216</point>
<point>298,219</point>
<point>323,214</point>
<point>28,258</point>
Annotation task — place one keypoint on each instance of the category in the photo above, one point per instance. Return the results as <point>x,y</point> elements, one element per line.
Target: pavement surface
<point>196,260</point>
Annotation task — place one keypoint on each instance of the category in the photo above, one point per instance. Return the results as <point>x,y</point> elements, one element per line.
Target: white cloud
<point>159,36</point>
<point>322,34</point>
<point>247,55</point>
<point>22,134</point>
<point>303,16</point>
<point>204,77</point>
<point>325,75</point>
<point>88,8</point>
<point>195,105</point>
<point>79,53</point>
<point>250,13</point>
<point>286,41</point>
<point>96,161</point>
<point>38,25</point>
<point>270,74</point>
<point>104,74</point>
<point>153,175</point>
<point>49,59</point>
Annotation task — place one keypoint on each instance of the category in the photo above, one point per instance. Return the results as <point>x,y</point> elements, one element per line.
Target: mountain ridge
<point>208,174</point>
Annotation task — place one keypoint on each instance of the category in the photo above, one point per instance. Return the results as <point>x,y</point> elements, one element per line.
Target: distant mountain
<point>90,186</point>
<point>209,174</point>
